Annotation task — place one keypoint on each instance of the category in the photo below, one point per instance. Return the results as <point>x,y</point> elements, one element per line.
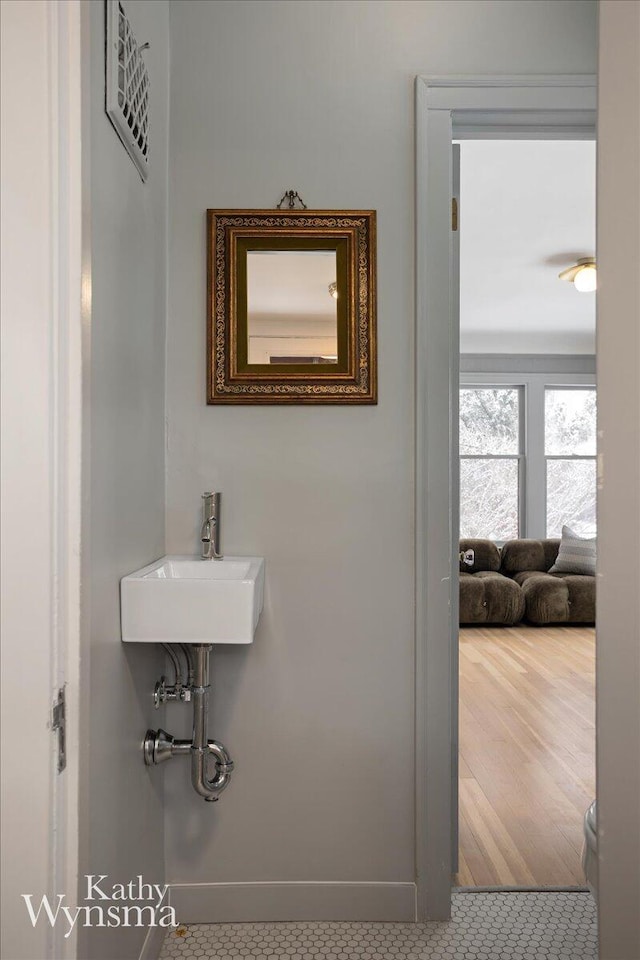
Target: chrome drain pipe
<point>210,789</point>
<point>160,746</point>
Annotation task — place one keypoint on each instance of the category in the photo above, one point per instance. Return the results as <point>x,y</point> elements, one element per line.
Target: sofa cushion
<point>472,606</point>
<point>520,555</point>
<point>521,578</point>
<point>546,597</point>
<point>489,597</point>
<point>582,596</point>
<point>576,554</point>
<point>487,555</point>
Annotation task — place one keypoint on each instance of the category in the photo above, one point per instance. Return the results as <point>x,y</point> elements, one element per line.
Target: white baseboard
<point>271,902</point>
<point>153,943</point>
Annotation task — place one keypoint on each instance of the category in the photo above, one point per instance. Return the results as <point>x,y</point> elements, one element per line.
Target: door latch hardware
<point>58,726</point>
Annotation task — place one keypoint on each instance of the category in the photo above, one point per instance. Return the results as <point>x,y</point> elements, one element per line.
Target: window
<point>527,455</point>
<point>490,455</point>
<point>570,449</point>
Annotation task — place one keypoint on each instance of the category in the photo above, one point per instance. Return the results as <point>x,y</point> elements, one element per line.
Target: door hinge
<point>454,213</point>
<point>58,717</point>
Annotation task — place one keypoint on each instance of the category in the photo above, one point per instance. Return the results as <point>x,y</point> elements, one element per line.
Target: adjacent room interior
<point>527,446</point>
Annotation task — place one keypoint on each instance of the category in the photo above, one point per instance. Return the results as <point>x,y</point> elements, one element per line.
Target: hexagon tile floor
<point>483,926</point>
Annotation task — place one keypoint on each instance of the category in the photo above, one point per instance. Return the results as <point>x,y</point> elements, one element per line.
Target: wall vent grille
<point>127,82</point>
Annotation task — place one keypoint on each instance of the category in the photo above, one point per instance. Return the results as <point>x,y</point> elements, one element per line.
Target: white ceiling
<point>527,211</point>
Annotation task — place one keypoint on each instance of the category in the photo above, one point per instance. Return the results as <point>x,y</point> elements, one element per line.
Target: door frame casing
<point>42,323</point>
<point>506,107</point>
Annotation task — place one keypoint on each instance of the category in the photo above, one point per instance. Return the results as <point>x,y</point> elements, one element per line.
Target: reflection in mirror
<point>292,306</point>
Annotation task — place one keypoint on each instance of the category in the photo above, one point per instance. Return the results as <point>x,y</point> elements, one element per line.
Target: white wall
<point>318,714</point>
<point>124,526</point>
<point>618,629</point>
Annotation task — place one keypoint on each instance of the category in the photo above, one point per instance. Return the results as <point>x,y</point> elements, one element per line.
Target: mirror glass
<point>292,310</point>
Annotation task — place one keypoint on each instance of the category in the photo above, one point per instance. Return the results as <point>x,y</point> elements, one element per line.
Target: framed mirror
<point>291,306</point>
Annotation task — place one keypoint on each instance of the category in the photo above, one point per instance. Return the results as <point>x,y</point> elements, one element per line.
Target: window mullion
<point>536,468</point>
<point>493,456</point>
<point>570,456</point>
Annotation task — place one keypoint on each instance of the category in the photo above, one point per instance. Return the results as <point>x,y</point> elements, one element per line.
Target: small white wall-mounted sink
<point>188,600</point>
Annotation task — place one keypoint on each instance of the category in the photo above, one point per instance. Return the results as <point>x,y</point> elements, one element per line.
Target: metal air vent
<point>127,83</point>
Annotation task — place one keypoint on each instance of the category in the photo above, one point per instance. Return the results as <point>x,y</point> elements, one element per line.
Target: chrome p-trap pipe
<point>160,745</point>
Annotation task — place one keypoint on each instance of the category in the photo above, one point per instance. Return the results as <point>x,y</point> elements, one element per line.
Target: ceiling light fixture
<point>583,275</point>
<point>333,290</point>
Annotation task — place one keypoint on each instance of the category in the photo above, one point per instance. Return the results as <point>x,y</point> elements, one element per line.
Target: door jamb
<point>69,315</point>
<point>42,334</point>
<point>516,107</point>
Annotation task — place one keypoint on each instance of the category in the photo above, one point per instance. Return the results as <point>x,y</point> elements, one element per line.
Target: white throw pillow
<point>576,554</point>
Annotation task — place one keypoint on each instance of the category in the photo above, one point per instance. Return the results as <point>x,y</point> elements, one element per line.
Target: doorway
<point>527,476</point>
<point>447,110</point>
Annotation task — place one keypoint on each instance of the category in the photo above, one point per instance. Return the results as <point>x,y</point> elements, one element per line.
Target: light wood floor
<point>527,754</point>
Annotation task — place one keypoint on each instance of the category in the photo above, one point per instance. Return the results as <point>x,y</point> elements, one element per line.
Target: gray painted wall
<point>319,712</point>
<point>618,628</point>
<point>121,817</point>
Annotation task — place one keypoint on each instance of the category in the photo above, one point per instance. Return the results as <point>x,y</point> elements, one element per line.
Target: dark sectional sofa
<point>509,584</point>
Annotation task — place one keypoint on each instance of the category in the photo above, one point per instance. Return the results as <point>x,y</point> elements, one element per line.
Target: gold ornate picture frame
<point>237,241</point>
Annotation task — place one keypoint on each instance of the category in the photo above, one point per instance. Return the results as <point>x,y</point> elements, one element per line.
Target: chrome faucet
<point>210,531</point>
